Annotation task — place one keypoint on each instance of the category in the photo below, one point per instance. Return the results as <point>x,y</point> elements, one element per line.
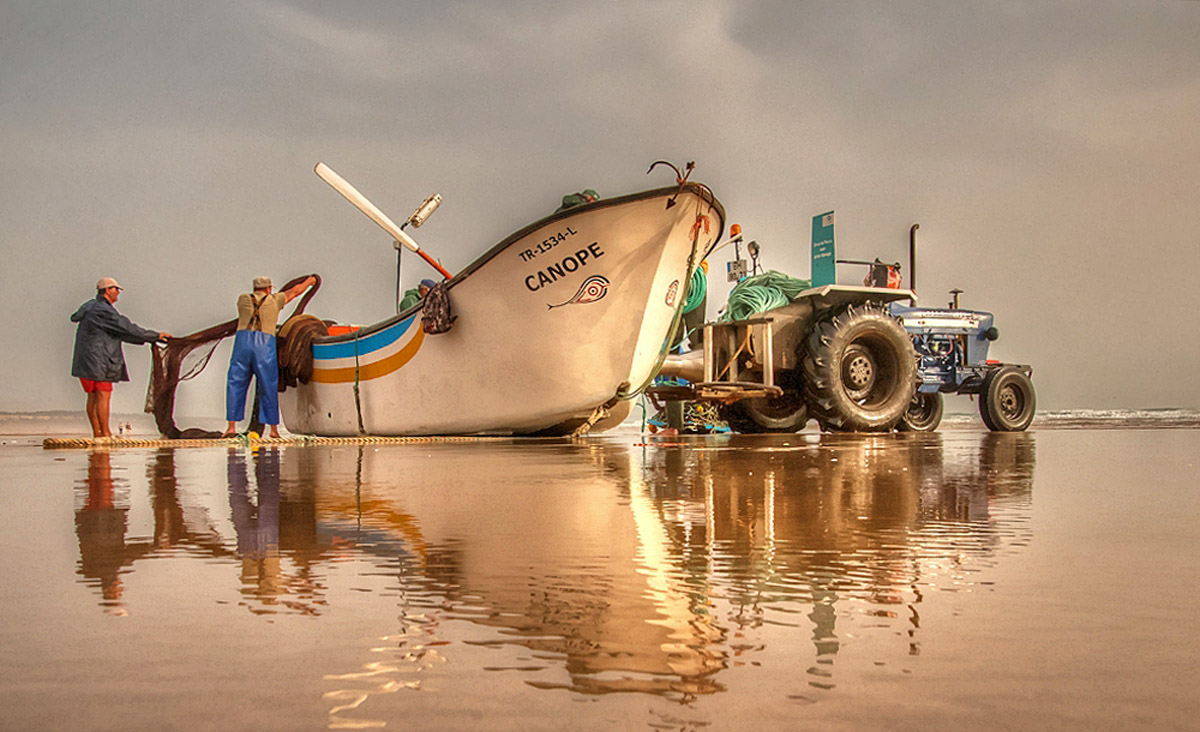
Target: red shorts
<point>90,386</point>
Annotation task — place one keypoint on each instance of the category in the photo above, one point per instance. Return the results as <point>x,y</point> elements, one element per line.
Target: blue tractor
<point>854,358</point>
<point>952,358</point>
<point>952,347</point>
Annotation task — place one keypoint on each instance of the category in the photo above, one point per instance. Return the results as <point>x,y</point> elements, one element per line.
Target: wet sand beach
<point>949,581</point>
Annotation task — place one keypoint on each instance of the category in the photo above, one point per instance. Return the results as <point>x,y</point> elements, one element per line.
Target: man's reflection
<point>267,522</point>
<point>106,551</point>
<point>169,528</point>
<point>101,527</point>
<point>257,523</point>
<point>278,544</point>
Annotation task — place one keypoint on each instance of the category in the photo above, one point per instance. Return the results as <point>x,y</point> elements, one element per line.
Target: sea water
<point>954,580</point>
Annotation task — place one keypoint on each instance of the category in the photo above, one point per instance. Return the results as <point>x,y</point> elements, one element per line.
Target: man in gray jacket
<point>99,360</point>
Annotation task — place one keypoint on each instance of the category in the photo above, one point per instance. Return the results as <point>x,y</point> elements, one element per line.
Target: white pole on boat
<point>351,194</point>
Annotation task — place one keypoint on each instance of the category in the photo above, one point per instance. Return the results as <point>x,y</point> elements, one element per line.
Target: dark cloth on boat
<point>437,316</point>
<point>98,341</point>
<point>294,348</point>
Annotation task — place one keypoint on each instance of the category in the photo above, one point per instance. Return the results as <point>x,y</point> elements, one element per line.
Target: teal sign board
<point>823,269</point>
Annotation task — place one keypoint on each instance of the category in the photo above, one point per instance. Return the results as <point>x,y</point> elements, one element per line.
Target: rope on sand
<point>64,443</point>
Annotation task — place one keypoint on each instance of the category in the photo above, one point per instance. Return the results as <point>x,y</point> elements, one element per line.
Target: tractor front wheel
<point>924,413</point>
<point>1007,402</point>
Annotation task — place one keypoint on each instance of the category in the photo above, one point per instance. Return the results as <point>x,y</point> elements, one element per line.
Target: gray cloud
<point>1048,151</point>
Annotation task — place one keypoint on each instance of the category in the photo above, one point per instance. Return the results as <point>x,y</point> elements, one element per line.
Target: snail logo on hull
<point>593,288</point>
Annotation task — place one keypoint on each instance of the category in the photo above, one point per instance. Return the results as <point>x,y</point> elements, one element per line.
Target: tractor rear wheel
<point>1007,402</point>
<point>924,413</point>
<point>860,370</point>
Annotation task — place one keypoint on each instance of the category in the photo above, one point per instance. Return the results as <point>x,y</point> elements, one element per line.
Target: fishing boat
<point>555,328</point>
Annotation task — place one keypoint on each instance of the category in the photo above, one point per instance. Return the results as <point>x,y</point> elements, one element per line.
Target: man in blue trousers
<point>254,353</point>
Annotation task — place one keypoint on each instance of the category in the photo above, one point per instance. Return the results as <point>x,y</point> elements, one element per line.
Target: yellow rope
<point>61,443</point>
<point>744,346</point>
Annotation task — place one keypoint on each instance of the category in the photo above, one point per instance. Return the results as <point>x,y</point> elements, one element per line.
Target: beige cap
<point>107,282</point>
<point>262,283</point>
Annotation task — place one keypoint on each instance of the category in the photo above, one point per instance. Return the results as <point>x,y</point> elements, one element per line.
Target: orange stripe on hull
<point>375,369</point>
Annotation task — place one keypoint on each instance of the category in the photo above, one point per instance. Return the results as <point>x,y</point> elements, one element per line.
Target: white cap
<point>107,282</point>
<point>262,283</point>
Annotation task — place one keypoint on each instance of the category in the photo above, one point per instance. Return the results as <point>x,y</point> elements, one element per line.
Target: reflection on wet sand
<point>257,524</point>
<point>101,523</point>
<point>101,527</point>
<point>639,568</point>
<point>268,525</point>
<point>279,544</point>
<point>863,521</point>
<point>598,566</point>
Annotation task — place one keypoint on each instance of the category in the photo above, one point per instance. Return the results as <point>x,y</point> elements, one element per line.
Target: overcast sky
<point>1049,150</point>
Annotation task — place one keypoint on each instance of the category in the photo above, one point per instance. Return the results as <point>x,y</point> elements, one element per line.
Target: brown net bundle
<point>294,345</point>
<point>185,357</point>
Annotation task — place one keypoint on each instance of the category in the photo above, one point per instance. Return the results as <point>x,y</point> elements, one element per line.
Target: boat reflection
<point>644,567</point>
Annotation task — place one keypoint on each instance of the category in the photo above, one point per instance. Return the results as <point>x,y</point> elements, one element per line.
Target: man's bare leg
<point>93,415</point>
<point>103,402</point>
<point>230,430</point>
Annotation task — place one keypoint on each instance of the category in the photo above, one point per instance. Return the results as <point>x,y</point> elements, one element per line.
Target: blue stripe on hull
<point>363,346</point>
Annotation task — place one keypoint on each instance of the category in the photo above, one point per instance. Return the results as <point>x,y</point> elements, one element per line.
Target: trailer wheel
<point>785,414</point>
<point>1007,402</point>
<point>860,370</point>
<point>924,413</point>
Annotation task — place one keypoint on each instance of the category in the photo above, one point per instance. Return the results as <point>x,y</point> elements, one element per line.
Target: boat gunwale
<point>697,188</point>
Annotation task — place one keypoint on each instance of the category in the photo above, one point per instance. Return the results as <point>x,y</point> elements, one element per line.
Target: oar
<point>351,194</point>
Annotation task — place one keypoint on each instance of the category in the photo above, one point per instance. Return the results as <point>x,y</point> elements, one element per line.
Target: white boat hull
<point>557,320</point>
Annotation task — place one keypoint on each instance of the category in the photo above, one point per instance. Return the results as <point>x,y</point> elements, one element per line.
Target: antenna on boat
<point>351,194</point>
<point>418,217</point>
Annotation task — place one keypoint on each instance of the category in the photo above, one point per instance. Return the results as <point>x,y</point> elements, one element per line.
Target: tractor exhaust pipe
<point>912,257</point>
